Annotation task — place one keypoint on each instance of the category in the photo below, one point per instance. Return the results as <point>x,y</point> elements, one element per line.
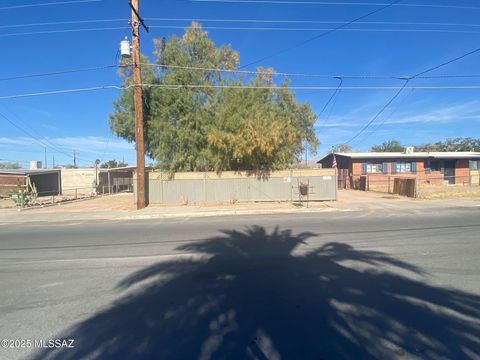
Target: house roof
<point>24,172</point>
<point>413,155</point>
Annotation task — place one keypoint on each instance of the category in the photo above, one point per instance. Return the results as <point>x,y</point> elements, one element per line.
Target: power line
<point>334,95</point>
<point>238,28</point>
<point>313,75</point>
<point>255,21</point>
<point>27,133</point>
<point>247,72</point>
<point>405,87</point>
<point>60,72</point>
<point>64,31</point>
<point>386,118</point>
<point>35,132</point>
<point>73,22</point>
<point>447,62</point>
<point>332,3</point>
<point>239,87</point>
<point>48,4</point>
<point>327,32</point>
<point>289,21</point>
<point>378,113</point>
<point>38,141</point>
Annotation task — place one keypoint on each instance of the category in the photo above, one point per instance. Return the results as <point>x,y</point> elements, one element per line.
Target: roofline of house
<point>26,172</point>
<point>413,155</point>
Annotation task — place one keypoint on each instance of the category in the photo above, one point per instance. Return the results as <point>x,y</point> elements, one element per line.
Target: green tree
<point>215,124</point>
<point>10,165</point>
<point>113,164</point>
<point>342,148</point>
<point>388,146</point>
<point>455,144</point>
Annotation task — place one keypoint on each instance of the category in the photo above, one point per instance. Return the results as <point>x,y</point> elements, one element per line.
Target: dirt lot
<point>6,203</point>
<point>122,201</point>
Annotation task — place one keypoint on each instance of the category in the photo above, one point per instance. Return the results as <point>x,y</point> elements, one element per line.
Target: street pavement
<point>352,285</point>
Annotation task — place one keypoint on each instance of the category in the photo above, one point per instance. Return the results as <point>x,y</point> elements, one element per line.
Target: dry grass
<point>6,203</point>
<point>429,191</point>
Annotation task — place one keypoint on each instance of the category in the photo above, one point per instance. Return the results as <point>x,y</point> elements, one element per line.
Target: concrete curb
<point>182,215</point>
<point>228,213</point>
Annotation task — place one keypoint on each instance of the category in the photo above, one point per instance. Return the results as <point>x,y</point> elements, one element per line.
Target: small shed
<point>47,181</point>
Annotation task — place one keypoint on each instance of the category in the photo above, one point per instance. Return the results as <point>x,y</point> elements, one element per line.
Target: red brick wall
<point>8,183</point>
<point>462,172</point>
<point>356,167</point>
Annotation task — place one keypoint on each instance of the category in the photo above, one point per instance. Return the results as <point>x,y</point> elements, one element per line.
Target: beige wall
<point>237,175</point>
<point>78,178</point>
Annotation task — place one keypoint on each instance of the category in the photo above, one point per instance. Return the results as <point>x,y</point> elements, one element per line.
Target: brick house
<point>436,167</point>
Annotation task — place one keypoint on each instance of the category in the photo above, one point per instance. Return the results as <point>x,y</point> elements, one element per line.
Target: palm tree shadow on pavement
<point>251,296</point>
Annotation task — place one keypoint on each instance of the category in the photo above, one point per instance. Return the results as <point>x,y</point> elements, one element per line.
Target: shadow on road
<point>253,298</point>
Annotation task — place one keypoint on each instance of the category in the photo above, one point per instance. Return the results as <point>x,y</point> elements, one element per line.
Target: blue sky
<point>78,121</point>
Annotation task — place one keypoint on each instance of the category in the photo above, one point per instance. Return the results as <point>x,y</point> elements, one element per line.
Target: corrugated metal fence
<point>229,186</point>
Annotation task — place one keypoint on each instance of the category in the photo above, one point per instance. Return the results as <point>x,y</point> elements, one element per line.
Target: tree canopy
<point>199,119</point>
<point>387,146</point>
<point>455,144</point>
<point>113,164</point>
<point>10,165</point>
<point>342,148</point>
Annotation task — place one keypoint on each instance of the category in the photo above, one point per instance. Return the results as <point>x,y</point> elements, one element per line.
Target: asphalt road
<point>309,286</point>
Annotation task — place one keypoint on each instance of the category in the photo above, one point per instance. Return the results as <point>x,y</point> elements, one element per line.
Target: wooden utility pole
<point>137,79</point>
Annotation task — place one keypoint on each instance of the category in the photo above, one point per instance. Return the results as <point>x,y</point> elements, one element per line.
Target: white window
<point>374,168</point>
<point>403,167</point>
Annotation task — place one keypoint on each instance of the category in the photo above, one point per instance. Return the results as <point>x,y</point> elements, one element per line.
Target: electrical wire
<point>44,139</point>
<point>247,72</point>
<point>64,31</point>
<point>239,87</point>
<point>405,87</point>
<point>48,4</point>
<point>54,23</point>
<point>327,30</point>
<point>332,3</point>
<point>38,141</point>
<point>61,72</point>
<point>386,118</point>
<point>283,21</point>
<point>325,33</point>
<point>255,21</point>
<point>312,75</point>
<point>378,113</point>
<point>446,63</point>
<point>334,96</point>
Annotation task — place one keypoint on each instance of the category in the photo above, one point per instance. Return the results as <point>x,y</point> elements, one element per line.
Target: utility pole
<point>53,161</point>
<point>46,158</point>
<point>137,79</point>
<point>74,159</point>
